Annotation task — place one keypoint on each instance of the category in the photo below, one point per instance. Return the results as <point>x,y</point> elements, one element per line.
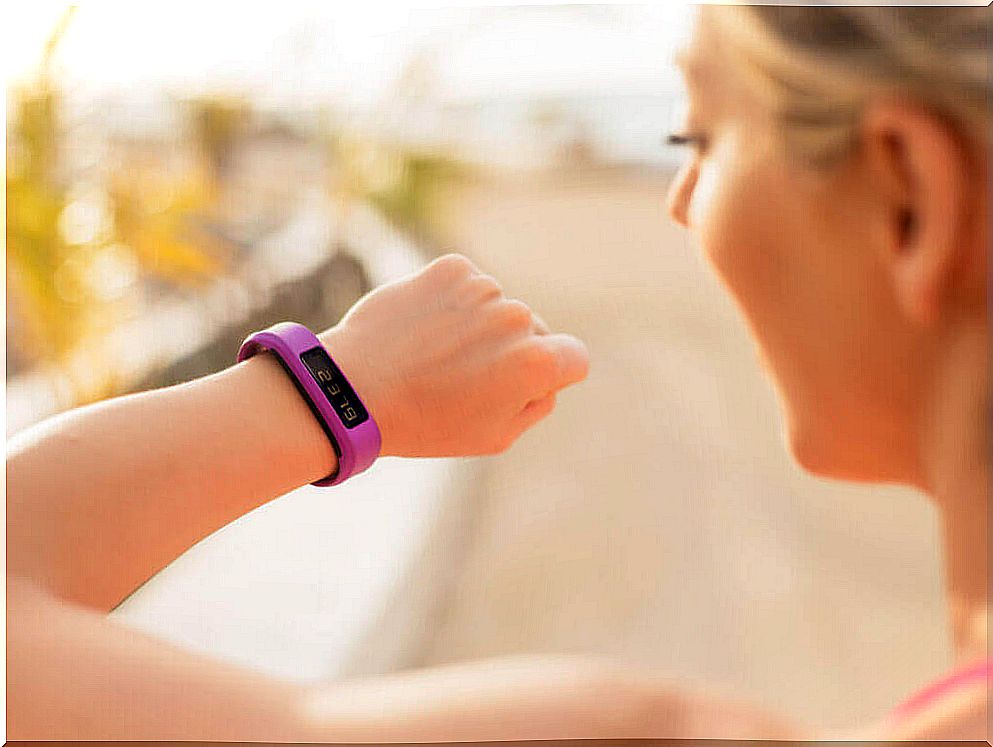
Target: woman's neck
<point>966,568</point>
<point>956,461</point>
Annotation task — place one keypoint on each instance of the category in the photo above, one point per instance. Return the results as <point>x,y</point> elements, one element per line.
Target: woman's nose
<point>680,191</point>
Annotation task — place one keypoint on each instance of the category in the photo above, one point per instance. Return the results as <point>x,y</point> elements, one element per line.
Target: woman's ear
<point>923,182</point>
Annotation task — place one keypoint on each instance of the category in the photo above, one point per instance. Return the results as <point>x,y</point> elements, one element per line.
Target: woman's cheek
<point>739,230</point>
<point>712,214</point>
<point>703,192</point>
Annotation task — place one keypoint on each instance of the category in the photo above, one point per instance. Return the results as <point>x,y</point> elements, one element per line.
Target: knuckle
<point>488,284</point>
<point>478,289</point>
<point>452,265</point>
<point>514,315</point>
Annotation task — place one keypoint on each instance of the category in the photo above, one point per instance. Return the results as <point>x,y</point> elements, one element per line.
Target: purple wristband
<point>345,420</point>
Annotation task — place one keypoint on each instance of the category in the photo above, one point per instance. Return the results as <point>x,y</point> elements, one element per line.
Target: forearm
<point>102,497</point>
<point>75,674</point>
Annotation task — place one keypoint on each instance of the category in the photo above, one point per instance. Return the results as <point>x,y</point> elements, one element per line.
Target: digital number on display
<point>338,391</point>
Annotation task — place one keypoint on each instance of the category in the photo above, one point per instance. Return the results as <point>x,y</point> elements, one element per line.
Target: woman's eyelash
<point>680,138</point>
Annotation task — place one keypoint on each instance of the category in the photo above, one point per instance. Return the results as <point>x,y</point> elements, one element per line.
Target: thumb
<point>571,355</point>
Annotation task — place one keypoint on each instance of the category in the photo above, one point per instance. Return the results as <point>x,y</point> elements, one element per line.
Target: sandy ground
<point>656,515</point>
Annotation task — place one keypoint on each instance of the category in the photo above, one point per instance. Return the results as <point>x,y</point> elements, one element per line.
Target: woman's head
<point>837,185</point>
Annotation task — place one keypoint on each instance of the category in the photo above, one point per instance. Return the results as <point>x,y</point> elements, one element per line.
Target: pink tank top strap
<point>971,674</point>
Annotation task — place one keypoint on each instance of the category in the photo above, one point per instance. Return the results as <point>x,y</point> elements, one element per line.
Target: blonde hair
<point>817,66</point>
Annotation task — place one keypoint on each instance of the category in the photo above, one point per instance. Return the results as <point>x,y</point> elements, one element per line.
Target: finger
<point>571,358</point>
<point>540,328</point>
<point>535,411</point>
<point>479,289</point>
<point>449,268</point>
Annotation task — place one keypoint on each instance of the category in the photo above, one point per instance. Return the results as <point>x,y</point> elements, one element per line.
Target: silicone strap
<point>357,446</point>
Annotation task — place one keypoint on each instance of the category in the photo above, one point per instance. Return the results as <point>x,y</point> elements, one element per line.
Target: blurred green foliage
<point>75,247</point>
<point>81,240</point>
<point>35,201</point>
<point>413,200</point>
<point>407,185</point>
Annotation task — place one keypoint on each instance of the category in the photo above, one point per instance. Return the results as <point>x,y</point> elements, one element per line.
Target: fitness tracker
<point>345,420</point>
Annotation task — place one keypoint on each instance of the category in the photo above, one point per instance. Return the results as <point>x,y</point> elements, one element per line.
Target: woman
<point>836,184</point>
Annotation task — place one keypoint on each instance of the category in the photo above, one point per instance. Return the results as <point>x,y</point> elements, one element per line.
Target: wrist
<point>287,431</point>
<point>350,354</point>
<point>338,409</point>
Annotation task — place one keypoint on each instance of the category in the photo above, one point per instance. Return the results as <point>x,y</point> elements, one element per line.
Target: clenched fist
<point>448,366</point>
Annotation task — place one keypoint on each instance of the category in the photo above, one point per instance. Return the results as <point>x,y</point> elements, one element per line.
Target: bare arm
<point>78,675</point>
<point>101,498</point>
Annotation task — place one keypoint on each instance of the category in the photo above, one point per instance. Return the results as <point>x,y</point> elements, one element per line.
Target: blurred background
<point>180,176</point>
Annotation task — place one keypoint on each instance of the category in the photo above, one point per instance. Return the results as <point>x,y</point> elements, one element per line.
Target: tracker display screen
<point>338,391</point>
